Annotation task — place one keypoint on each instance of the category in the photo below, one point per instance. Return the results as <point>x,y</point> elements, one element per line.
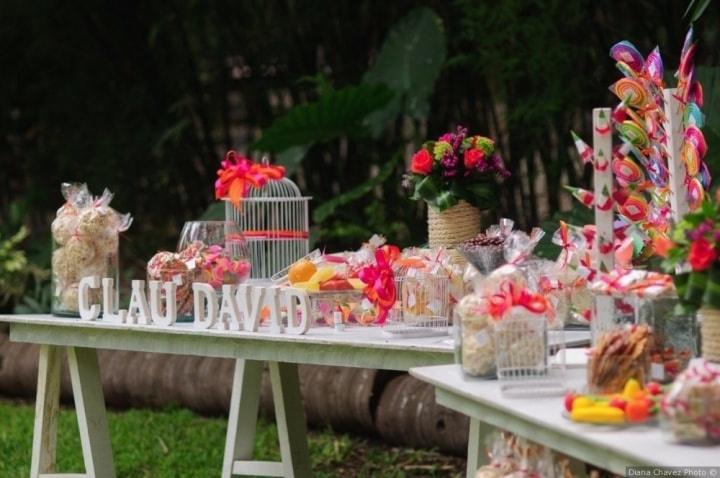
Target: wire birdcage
<point>423,304</point>
<point>522,355</point>
<point>274,221</point>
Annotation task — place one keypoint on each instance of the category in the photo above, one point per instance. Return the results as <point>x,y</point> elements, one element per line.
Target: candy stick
<point>676,167</point>
<point>603,185</point>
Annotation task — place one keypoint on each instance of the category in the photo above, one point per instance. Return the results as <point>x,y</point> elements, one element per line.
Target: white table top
<point>320,345</point>
<point>541,420</point>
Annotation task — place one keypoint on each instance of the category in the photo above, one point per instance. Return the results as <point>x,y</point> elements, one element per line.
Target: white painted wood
<point>205,304</point>
<point>290,418</point>
<point>298,299</point>
<point>242,419</point>
<point>257,468</point>
<point>540,419</point>
<point>47,402</point>
<point>108,296</point>
<point>90,408</point>
<point>88,311</point>
<point>139,310</point>
<point>674,129</point>
<point>603,187</point>
<point>251,301</point>
<point>476,455</point>
<point>229,311</point>
<point>169,317</point>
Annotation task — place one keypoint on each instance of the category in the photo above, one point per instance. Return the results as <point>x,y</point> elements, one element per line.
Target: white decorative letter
<point>108,296</point>
<point>87,311</point>
<point>272,300</point>
<point>204,294</point>
<point>138,310</point>
<point>229,313</point>
<point>250,300</point>
<point>168,318</point>
<point>305,312</point>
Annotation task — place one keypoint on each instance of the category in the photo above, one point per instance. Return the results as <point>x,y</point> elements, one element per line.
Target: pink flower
<point>702,254</point>
<point>473,157</point>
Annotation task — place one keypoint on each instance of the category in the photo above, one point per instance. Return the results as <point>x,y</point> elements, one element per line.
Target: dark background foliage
<point>145,97</point>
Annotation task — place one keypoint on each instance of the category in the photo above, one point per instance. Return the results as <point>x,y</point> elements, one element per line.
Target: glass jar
<point>183,281</point>
<point>619,355</point>
<point>690,411</point>
<point>215,252</point>
<point>475,341</point>
<point>78,256</point>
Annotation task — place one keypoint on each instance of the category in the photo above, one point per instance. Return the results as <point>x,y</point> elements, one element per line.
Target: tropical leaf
<point>409,62</point>
<point>336,113</point>
<point>328,208</point>
<point>695,9</point>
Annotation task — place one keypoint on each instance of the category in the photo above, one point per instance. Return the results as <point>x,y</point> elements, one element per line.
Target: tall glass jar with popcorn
<point>85,235</point>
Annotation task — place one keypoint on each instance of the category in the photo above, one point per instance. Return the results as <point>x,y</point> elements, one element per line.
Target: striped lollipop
<point>630,90</point>
<point>626,52</point>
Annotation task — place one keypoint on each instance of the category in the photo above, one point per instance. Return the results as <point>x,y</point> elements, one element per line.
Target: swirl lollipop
<point>630,90</point>
<point>695,192</point>
<point>635,207</point>
<point>626,52</point>
<point>691,158</point>
<point>695,136</point>
<point>705,178</point>
<point>634,133</point>
<point>693,115</point>
<point>653,67</point>
<point>627,171</point>
<point>626,70</point>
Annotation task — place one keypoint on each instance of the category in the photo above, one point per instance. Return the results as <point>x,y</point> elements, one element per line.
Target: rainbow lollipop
<point>695,192</point>
<point>695,136</point>
<point>626,52</point>
<point>627,171</point>
<point>634,133</point>
<point>635,207</point>
<point>630,90</point>
<point>653,67</point>
<point>690,157</point>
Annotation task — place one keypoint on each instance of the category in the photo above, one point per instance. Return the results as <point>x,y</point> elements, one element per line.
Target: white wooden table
<point>541,420</point>
<point>358,347</point>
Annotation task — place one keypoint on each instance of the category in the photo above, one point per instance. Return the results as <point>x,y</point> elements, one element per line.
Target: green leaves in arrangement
<point>336,113</point>
<point>409,62</point>
<point>431,190</point>
<point>327,208</point>
<point>695,9</point>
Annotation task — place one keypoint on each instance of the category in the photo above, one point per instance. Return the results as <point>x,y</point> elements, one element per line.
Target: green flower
<point>441,147</point>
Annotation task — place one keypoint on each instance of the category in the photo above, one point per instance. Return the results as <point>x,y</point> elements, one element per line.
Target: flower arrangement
<point>456,167</point>
<point>694,255</point>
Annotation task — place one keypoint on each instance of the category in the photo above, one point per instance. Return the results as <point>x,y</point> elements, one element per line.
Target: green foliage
<point>13,266</point>
<point>336,113</point>
<point>409,62</point>
<point>695,9</point>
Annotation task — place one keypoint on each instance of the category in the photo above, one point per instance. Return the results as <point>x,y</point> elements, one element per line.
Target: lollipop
<point>627,171</point>
<point>625,69</point>
<point>693,116</point>
<point>690,157</point>
<point>587,198</point>
<point>653,67</point>
<point>634,133</point>
<point>635,207</point>
<point>585,151</point>
<point>626,52</point>
<point>695,192</point>
<point>630,90</point>
<point>695,136</point>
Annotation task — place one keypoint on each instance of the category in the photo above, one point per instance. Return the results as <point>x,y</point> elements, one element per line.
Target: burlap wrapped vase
<point>452,226</point>
<point>710,333</point>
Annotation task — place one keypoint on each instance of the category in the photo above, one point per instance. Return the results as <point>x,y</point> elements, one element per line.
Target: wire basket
<point>423,305</point>
<point>274,221</point>
<point>523,360</point>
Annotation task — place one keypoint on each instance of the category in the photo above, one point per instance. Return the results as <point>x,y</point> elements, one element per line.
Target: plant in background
<point>456,167</point>
<point>13,270</point>
<point>694,256</point>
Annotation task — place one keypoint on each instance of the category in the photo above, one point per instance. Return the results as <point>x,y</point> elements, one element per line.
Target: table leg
<point>47,404</point>
<point>90,407</point>
<point>476,456</point>
<point>290,418</point>
<point>242,420</point>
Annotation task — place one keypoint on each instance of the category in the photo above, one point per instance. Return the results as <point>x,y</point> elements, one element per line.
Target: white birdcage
<point>423,304</point>
<point>523,357</point>
<point>274,220</point>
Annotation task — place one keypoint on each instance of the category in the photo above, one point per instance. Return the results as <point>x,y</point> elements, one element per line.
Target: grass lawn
<point>178,443</point>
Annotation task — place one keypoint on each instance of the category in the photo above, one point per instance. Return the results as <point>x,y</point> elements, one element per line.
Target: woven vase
<point>710,333</point>
<point>452,226</point>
